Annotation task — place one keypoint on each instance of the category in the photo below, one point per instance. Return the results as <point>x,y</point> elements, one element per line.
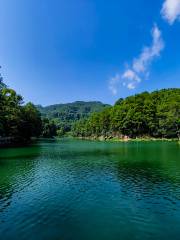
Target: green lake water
<point>82,190</point>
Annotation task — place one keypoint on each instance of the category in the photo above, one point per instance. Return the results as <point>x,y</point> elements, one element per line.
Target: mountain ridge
<point>66,114</point>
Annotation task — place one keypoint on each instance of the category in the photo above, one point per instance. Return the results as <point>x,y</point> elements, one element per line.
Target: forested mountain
<point>65,115</point>
<point>19,122</point>
<point>155,114</point>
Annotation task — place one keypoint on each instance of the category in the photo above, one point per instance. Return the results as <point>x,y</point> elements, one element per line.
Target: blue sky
<point>58,51</point>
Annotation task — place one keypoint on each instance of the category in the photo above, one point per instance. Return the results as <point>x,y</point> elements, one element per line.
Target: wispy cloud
<point>171,10</point>
<point>139,68</point>
<point>140,64</point>
<point>113,84</point>
<point>130,78</point>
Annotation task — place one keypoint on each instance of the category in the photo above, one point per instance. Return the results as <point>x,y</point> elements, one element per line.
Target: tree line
<point>155,114</point>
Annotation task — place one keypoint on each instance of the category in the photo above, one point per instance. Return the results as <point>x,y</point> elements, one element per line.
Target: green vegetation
<point>155,114</point>
<point>63,116</point>
<point>144,115</point>
<point>18,122</point>
<point>49,128</point>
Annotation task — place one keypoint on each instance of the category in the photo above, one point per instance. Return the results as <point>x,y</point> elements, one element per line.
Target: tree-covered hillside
<point>18,122</point>
<point>155,114</point>
<point>65,115</point>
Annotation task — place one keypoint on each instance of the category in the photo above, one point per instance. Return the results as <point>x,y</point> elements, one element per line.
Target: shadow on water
<point>16,171</point>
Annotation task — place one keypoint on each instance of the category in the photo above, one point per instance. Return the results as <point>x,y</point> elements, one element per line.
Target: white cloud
<point>130,79</point>
<point>140,64</point>
<point>139,69</point>
<point>171,10</point>
<point>131,75</point>
<point>113,84</point>
<point>131,86</point>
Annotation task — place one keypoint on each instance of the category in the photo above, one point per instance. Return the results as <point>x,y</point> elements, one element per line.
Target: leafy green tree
<point>30,123</point>
<point>155,114</point>
<point>18,121</point>
<point>49,128</point>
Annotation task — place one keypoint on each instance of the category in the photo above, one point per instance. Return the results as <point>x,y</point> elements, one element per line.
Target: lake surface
<point>81,190</point>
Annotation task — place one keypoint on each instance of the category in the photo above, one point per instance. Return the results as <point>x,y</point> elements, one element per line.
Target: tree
<point>155,114</point>
<point>30,124</point>
<point>18,121</point>
<point>49,128</point>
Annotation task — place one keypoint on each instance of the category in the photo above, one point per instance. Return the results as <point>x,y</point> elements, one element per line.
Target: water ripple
<point>87,190</point>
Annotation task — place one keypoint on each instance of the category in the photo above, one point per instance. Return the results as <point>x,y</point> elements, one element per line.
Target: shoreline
<point>98,139</point>
<point>16,143</point>
<point>115,139</point>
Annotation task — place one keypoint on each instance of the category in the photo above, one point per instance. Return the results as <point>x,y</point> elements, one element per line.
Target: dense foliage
<point>17,121</point>
<point>49,128</point>
<point>155,114</point>
<point>63,116</point>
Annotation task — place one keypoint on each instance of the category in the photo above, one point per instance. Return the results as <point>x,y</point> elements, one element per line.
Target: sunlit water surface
<point>81,190</point>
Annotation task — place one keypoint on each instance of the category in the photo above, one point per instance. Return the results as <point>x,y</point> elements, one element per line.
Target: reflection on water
<point>90,190</point>
<point>15,175</point>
